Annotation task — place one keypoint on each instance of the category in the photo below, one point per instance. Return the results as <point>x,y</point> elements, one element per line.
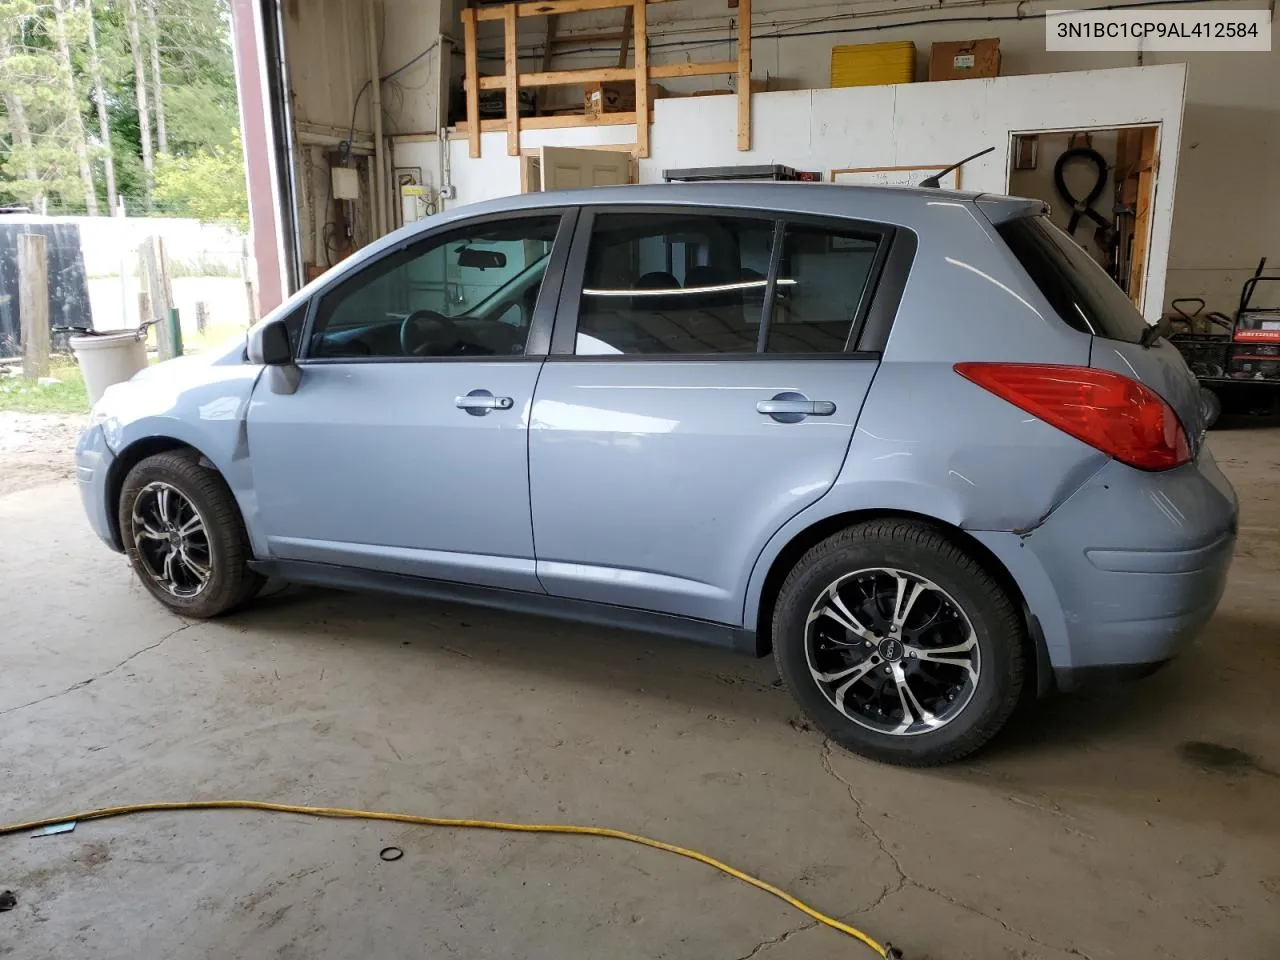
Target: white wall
<point>1228,204</point>
<point>898,125</point>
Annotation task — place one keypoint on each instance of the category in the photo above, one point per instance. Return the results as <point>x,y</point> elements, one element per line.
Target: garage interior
<point>1134,822</point>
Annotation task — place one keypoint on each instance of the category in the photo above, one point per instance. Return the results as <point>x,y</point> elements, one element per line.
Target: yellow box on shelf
<point>868,64</point>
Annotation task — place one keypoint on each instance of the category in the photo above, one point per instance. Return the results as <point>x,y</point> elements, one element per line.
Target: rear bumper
<point>1128,570</point>
<point>93,465</point>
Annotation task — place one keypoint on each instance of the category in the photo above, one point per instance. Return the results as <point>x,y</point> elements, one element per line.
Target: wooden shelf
<point>641,73</point>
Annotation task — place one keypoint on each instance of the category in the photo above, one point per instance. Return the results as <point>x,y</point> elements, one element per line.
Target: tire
<point>1210,407</point>
<point>952,602</point>
<point>190,492</point>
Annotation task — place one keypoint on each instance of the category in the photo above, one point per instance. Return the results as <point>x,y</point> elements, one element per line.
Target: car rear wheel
<point>184,536</point>
<point>899,645</point>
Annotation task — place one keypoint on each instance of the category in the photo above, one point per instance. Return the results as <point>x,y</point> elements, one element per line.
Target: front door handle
<point>794,407</point>
<point>479,402</point>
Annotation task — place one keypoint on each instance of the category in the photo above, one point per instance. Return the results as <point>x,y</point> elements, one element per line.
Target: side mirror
<point>269,344</point>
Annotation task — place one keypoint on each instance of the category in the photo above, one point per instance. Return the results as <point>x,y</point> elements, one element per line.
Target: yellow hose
<point>101,813</point>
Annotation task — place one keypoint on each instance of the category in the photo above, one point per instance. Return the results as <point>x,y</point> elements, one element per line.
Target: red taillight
<point>1121,417</point>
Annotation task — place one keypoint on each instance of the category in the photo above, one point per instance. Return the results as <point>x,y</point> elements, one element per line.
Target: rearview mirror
<point>269,344</point>
<point>481,259</point>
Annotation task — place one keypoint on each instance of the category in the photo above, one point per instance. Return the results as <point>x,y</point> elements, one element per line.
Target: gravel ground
<point>37,448</point>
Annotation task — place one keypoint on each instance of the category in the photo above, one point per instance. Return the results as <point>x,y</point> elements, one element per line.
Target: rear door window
<point>1077,288</point>
<point>695,283</point>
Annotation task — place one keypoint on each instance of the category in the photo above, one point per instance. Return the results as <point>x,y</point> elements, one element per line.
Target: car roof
<point>797,196</point>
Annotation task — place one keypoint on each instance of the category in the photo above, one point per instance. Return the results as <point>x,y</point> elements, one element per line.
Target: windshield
<point>1081,292</point>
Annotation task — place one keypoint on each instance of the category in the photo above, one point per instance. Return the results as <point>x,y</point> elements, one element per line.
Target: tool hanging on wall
<point>1082,208</point>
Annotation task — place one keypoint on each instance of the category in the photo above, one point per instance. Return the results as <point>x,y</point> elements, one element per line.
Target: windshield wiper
<point>936,179</point>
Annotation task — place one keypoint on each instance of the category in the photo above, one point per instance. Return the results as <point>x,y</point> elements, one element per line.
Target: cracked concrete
<point>1087,831</point>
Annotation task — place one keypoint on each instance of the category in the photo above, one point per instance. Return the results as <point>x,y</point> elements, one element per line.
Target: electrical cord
<point>355,107</point>
<point>886,951</point>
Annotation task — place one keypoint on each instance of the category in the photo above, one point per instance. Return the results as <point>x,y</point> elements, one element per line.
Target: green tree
<point>49,122</point>
<point>208,185</point>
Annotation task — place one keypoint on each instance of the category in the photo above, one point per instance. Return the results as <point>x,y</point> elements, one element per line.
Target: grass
<point>67,396</point>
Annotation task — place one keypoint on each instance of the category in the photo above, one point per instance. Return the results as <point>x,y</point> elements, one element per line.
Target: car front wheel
<point>898,644</point>
<point>184,536</point>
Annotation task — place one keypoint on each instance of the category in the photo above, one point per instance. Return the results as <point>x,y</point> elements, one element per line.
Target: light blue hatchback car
<point>914,442</point>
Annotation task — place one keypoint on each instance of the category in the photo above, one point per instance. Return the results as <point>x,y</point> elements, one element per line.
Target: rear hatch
<point>1085,297</point>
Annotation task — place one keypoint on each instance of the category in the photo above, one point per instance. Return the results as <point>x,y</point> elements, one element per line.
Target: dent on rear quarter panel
<point>932,443</point>
<point>204,408</point>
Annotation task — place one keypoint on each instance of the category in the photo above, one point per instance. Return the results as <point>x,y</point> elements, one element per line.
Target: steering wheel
<point>414,344</point>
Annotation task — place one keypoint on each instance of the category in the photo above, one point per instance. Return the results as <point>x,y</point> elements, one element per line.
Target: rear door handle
<point>479,402</point>
<point>793,407</point>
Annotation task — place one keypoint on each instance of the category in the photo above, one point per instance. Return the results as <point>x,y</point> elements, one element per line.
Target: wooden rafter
<point>640,39</point>
<point>472,83</point>
<point>513,81</point>
<point>744,74</point>
<point>633,35</point>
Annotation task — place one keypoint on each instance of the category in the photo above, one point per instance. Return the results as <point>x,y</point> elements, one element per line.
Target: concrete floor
<point>1088,831</point>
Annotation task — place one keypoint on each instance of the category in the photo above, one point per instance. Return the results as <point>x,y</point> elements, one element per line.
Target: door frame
<point>1150,136</point>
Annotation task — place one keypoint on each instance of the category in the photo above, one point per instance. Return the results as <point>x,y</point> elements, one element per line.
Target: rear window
<point>1074,284</point>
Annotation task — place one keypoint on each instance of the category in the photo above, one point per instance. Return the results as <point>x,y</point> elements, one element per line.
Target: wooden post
<point>1147,163</point>
<point>640,41</point>
<point>472,79</point>
<point>144,308</point>
<point>33,304</point>
<point>744,74</point>
<point>513,81</point>
<point>155,267</point>
<point>247,274</point>
<point>202,317</point>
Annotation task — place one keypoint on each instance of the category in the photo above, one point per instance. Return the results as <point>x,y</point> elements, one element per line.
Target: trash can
<point>111,356</point>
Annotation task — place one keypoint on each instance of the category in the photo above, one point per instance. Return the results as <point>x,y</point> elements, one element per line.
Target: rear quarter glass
<point>1082,294</point>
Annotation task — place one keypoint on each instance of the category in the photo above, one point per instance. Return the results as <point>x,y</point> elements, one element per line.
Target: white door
<point>566,167</point>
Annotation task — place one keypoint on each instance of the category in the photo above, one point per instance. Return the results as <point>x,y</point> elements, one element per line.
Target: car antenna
<point>936,180</point>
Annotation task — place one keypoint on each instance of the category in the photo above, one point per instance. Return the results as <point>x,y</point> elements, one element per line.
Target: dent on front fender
<point>201,405</point>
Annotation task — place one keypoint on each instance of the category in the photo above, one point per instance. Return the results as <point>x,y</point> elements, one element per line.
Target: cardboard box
<point>612,97</point>
<point>965,59</point>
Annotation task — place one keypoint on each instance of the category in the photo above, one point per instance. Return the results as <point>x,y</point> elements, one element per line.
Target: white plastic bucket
<point>107,358</point>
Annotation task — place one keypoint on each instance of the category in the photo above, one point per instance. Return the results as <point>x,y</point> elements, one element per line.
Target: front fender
<point>205,409</point>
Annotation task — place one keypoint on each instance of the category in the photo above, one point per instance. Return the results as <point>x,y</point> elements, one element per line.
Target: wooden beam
<point>545,8</point>
<point>554,78</point>
<point>744,75</point>
<point>1147,163</point>
<point>472,84</point>
<point>627,28</point>
<point>640,40</point>
<point>543,123</point>
<point>552,23</point>
<point>33,304</point>
<point>710,69</point>
<point>548,52</point>
<point>513,82</point>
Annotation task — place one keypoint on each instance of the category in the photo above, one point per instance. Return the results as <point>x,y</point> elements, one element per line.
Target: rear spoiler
<point>999,209</point>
